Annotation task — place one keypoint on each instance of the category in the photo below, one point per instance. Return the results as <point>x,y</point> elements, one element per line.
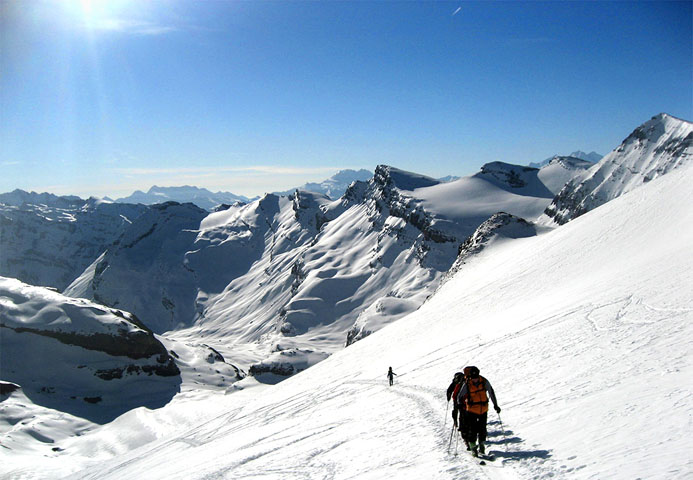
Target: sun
<point>96,13</point>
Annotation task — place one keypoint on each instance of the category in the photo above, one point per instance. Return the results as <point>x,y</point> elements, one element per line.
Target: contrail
<point>456,11</point>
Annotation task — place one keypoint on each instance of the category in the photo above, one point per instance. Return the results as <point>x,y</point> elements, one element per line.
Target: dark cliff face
<point>385,190</point>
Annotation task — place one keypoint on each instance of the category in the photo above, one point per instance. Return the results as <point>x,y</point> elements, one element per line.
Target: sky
<point>101,98</point>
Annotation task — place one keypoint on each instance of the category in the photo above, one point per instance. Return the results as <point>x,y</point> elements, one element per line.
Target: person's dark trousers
<point>460,421</point>
<point>475,427</point>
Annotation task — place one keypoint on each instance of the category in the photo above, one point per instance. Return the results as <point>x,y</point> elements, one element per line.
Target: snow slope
<point>585,333</point>
<point>560,170</point>
<point>144,271</point>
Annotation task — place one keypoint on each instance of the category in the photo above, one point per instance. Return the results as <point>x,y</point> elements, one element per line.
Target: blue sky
<point>105,97</point>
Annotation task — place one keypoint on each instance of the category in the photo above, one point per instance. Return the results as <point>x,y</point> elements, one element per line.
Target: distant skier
<point>391,376</point>
<point>472,396</point>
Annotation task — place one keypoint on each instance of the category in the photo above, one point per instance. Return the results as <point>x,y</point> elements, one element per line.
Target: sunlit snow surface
<point>585,333</point>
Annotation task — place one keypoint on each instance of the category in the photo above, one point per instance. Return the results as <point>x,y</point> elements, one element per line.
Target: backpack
<point>476,400</point>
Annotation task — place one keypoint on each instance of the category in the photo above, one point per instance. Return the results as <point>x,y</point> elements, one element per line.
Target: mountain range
<point>312,273</point>
<point>406,270</point>
<point>332,187</point>
<point>201,197</point>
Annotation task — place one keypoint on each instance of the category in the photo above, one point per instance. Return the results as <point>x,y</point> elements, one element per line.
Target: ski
<point>483,458</point>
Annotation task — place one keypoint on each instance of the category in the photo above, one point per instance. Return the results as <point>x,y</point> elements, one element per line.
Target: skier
<point>390,375</point>
<point>473,396</point>
<point>453,389</point>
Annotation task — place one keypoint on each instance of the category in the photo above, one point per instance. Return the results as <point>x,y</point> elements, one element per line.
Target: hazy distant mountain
<point>201,197</point>
<point>592,157</point>
<point>449,178</point>
<point>19,197</point>
<point>335,186</point>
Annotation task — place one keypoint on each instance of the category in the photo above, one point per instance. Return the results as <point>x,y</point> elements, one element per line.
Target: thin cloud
<point>130,27</point>
<point>261,170</point>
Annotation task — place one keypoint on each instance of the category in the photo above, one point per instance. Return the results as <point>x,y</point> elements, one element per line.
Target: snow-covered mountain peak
<point>560,170</point>
<point>148,258</point>
<point>52,245</point>
<point>348,175</point>
<point>656,147</point>
<point>593,156</point>
<point>668,134</point>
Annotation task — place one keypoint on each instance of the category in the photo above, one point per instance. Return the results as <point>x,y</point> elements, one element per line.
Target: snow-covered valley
<point>584,330</point>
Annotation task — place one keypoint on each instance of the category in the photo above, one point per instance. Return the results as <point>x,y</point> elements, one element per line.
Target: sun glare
<point>98,13</point>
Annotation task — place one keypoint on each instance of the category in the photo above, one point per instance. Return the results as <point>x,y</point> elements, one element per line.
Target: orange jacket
<point>473,395</point>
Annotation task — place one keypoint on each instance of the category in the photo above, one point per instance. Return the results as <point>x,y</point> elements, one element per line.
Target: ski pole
<point>505,437</point>
<point>450,441</point>
<point>457,441</point>
<point>446,414</point>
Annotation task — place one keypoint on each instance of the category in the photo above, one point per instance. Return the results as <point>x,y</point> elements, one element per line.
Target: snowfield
<point>584,331</point>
